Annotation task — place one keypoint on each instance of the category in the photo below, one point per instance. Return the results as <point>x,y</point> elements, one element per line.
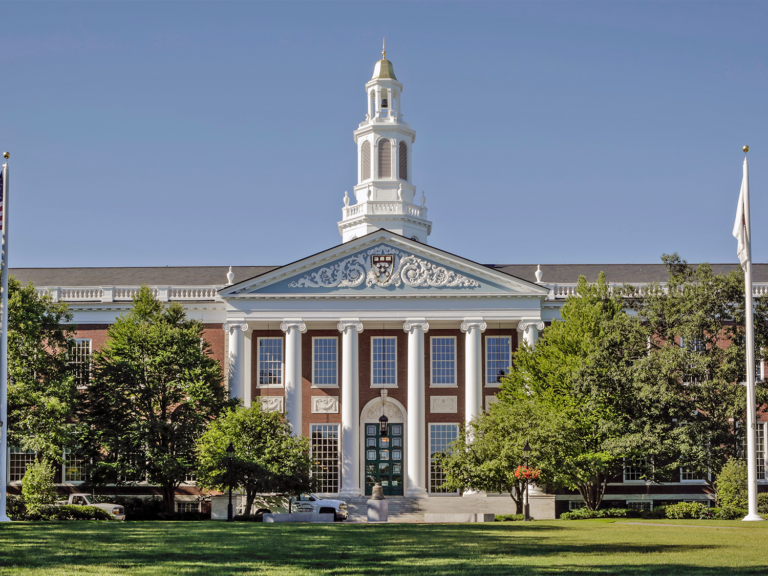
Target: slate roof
<point>216,275</point>
<point>619,273</point>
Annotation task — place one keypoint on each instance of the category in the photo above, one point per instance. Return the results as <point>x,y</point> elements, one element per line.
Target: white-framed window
<point>646,505</point>
<point>759,448</point>
<point>498,358</point>
<point>270,362</point>
<point>634,470</point>
<point>79,356</point>
<point>325,361</point>
<point>73,467</point>
<point>576,504</point>
<point>443,368</point>
<point>134,475</point>
<point>384,361</point>
<point>18,462</point>
<point>440,437</point>
<point>687,475</point>
<point>324,445</point>
<point>187,507</point>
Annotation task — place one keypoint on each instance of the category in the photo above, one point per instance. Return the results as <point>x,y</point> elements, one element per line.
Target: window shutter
<point>385,159</point>
<point>366,161</point>
<point>403,161</point>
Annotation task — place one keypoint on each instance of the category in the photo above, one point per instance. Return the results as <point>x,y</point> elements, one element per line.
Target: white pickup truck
<point>314,504</point>
<point>117,511</point>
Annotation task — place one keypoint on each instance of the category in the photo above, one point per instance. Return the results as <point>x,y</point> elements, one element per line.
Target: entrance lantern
<point>383,426</point>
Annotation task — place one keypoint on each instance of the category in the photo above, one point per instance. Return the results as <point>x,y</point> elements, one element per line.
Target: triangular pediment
<point>383,264</point>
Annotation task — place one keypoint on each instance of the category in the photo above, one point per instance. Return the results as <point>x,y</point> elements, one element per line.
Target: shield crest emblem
<point>383,266</point>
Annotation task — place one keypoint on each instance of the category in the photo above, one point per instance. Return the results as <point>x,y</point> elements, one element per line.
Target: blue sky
<point>181,133</point>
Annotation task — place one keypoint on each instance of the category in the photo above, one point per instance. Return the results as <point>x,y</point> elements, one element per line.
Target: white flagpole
<point>750,330</point>
<point>4,350</point>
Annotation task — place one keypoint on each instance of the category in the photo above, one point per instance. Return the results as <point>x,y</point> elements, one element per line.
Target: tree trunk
<point>249,497</point>
<point>169,491</point>
<point>517,498</point>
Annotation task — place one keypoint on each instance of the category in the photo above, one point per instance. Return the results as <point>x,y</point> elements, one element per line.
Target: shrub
<point>692,510</point>
<point>37,486</point>
<point>727,513</point>
<point>731,485</point>
<point>68,512</point>
<point>15,507</point>
<point>586,514</point>
<point>510,517</point>
<point>762,503</point>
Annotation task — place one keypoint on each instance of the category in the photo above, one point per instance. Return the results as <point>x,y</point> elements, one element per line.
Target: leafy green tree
<point>486,454</point>
<point>37,486</point>
<point>731,485</point>
<point>581,439</point>
<point>154,389</point>
<point>695,363</point>
<point>41,390</point>
<point>267,457</point>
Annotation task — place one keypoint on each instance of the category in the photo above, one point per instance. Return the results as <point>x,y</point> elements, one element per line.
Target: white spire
<point>385,196</point>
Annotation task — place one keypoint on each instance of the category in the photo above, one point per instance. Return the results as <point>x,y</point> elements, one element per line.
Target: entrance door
<point>384,459</point>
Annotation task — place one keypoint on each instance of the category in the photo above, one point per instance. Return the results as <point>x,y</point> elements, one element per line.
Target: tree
<point>267,457</point>
<point>154,389</point>
<point>581,441</point>
<point>37,486</point>
<point>487,452</point>
<point>42,389</point>
<point>731,485</point>
<point>696,354</point>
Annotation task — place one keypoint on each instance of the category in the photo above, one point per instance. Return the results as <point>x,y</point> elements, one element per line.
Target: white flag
<point>740,231</point>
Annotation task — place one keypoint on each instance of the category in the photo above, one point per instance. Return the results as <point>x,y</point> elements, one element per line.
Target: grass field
<point>546,547</point>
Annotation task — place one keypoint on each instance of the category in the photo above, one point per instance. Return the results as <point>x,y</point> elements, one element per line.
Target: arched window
<point>385,159</point>
<point>366,161</point>
<point>403,161</point>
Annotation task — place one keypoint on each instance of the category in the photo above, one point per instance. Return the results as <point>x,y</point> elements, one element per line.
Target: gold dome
<point>384,69</point>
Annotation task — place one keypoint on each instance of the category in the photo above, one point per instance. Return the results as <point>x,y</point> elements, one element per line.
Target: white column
<point>370,106</point>
<point>235,358</point>
<point>247,371</point>
<point>377,112</point>
<point>350,408</point>
<point>530,330</point>
<point>473,367</point>
<point>293,330</point>
<point>416,441</point>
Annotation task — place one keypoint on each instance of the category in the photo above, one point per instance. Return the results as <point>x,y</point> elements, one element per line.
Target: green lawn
<point>546,547</point>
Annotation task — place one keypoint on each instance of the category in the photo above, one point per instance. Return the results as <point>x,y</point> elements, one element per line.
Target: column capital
<point>476,323</point>
<point>296,323</point>
<point>412,323</point>
<point>525,324</point>
<point>230,327</point>
<point>346,323</point>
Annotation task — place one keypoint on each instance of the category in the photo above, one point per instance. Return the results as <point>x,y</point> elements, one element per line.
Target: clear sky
<point>216,133</point>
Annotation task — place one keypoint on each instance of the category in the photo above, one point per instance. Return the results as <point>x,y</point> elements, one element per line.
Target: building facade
<point>381,325</point>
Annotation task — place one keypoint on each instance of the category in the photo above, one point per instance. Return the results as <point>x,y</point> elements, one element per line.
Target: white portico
<point>383,296</point>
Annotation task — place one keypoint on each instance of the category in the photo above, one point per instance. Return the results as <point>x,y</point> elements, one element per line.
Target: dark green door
<point>384,459</point>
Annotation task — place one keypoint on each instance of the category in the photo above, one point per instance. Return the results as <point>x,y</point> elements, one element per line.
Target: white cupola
<point>385,196</point>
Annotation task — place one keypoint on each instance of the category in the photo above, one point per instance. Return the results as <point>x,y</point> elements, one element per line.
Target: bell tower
<point>385,196</point>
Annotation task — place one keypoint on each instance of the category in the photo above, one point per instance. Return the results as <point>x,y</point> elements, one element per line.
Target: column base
<point>350,493</point>
<point>417,493</point>
<point>753,518</point>
<point>5,519</point>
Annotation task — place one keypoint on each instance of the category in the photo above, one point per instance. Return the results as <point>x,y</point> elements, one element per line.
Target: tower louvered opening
<point>366,161</point>
<point>403,161</point>
<point>385,158</point>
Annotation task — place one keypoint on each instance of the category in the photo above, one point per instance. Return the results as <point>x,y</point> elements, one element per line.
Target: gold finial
<point>384,47</point>
<point>745,148</point>
<point>6,155</point>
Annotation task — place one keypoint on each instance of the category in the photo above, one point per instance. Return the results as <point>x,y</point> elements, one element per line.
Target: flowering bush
<point>527,474</point>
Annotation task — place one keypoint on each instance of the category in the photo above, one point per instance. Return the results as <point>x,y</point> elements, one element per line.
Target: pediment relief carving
<point>384,266</point>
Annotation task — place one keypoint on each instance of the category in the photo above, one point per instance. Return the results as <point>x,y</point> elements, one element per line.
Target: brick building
<point>382,324</point>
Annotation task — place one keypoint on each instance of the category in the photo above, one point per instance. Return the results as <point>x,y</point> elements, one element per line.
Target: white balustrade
<point>127,293</point>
